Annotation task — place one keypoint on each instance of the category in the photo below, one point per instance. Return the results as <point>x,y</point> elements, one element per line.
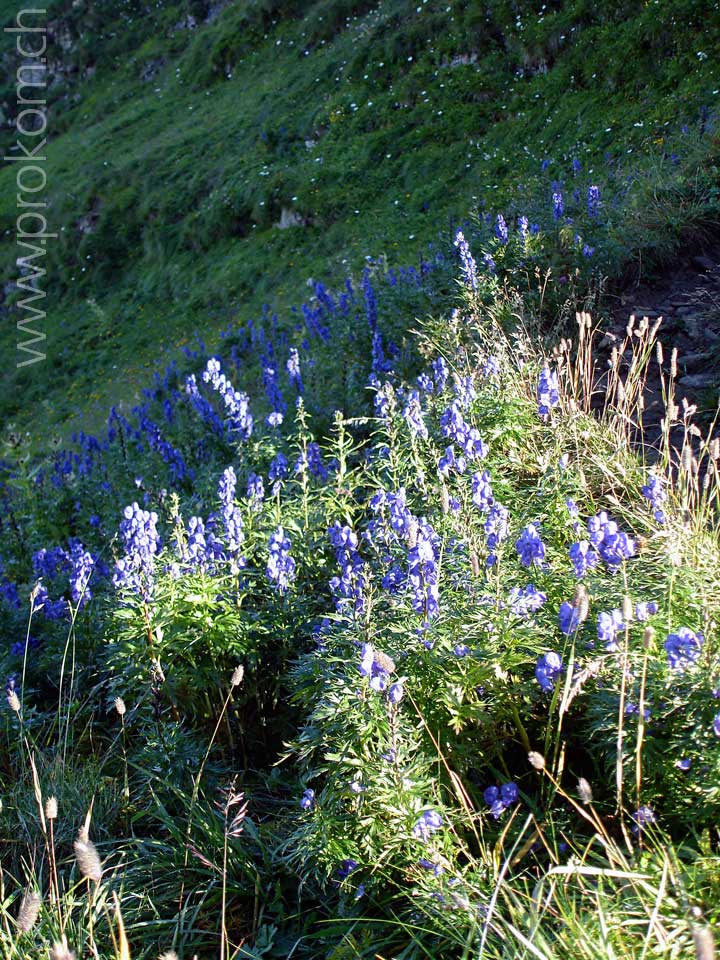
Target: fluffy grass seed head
<point>87,857</point>
<point>29,910</point>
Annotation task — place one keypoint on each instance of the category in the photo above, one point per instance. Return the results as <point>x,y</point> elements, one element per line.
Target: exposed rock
<point>698,381</point>
<point>289,218</point>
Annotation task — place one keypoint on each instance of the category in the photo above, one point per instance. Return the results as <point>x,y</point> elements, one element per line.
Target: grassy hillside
<point>174,151</point>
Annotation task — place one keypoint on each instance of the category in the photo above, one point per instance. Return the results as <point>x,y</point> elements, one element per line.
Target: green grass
<point>187,172</point>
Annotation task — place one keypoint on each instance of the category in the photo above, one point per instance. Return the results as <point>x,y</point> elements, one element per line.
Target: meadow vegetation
<point>371,626</point>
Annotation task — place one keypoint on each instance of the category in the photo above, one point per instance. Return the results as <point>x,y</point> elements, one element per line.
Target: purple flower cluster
<point>428,824</point>
<point>583,558</point>
<point>547,670</point>
<point>293,368</point>
<point>141,542</point>
<point>683,649</point>
<point>593,201</point>
<point>467,263</point>
<point>281,565</point>
<point>530,548</point>
<point>307,801</point>
<point>654,491</point>
<point>232,519</point>
<point>609,626</point>
<point>376,666</point>
<point>413,416</point>
<point>558,205</point>
<point>482,495</point>
<point>523,602</point>
<point>569,618</point>
<point>311,460</point>
<point>255,491</point>
<point>237,404</point>
<point>613,545</point>
<point>454,426</point>
<point>423,571</point>
<point>500,798</point>
<point>501,230</point>
<point>350,585</point>
<point>450,462</point>
<point>496,529</point>
<point>548,392</point>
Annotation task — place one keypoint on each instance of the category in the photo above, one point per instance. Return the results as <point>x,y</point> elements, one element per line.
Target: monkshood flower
<point>500,798</point>
<point>49,563</point>
<point>201,405</point>
<point>683,764</point>
<point>51,609</point>
<point>307,801</point>
<point>587,251</point>
<point>255,491</point>
<point>395,693</point>
<point>237,404</point>
<point>583,558</point>
<point>576,165</point>
<point>548,393</point>
<point>346,868</point>
<point>202,547</point>
<point>523,229</point>
<point>609,625</point>
<point>467,263</point>
<point>281,565</point>
<point>482,495</point>
<point>425,383</point>
<point>413,416</point>
<point>311,460</point>
<point>293,368</point>
<point>141,543</point>
<point>454,426</point>
<point>654,491</point>
<point>716,725</point>
<point>496,528</point>
<point>530,548</point>
<point>558,205</point>
<point>423,572</point>
<point>593,201</point>
<point>683,649</point>
<point>643,611</point>
<point>278,468</point>
<point>376,666</point>
<point>450,462</point>
<point>643,816</point>
<point>400,516</point>
<point>83,564</point>
<point>569,618</point>
<point>547,670</point>
<point>437,870</point>
<point>465,391</point>
<point>489,263</point>
<point>501,230</point>
<point>612,544</point>
<point>232,519</point>
<point>427,825</point>
<point>274,419</point>
<point>523,602</point>
<point>440,373</point>
<point>461,650</point>
<point>350,585</point>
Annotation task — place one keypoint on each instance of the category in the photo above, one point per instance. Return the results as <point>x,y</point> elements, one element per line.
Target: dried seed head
<point>627,609</point>
<point>686,458</point>
<point>412,535</point>
<point>29,910</point>
<point>169,955</point>
<point>584,790</point>
<point>51,808</point>
<point>673,362</point>
<point>61,951</point>
<point>474,564</point>
<point>537,760</point>
<point>445,499</point>
<point>119,704</point>
<point>13,701</point>
<point>384,662</point>
<point>648,637</point>
<point>87,856</point>
<point>715,449</point>
<point>237,677</point>
<point>659,353</point>
<point>704,943</point>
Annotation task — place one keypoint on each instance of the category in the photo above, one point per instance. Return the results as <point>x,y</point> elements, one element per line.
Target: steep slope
<point>203,159</point>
